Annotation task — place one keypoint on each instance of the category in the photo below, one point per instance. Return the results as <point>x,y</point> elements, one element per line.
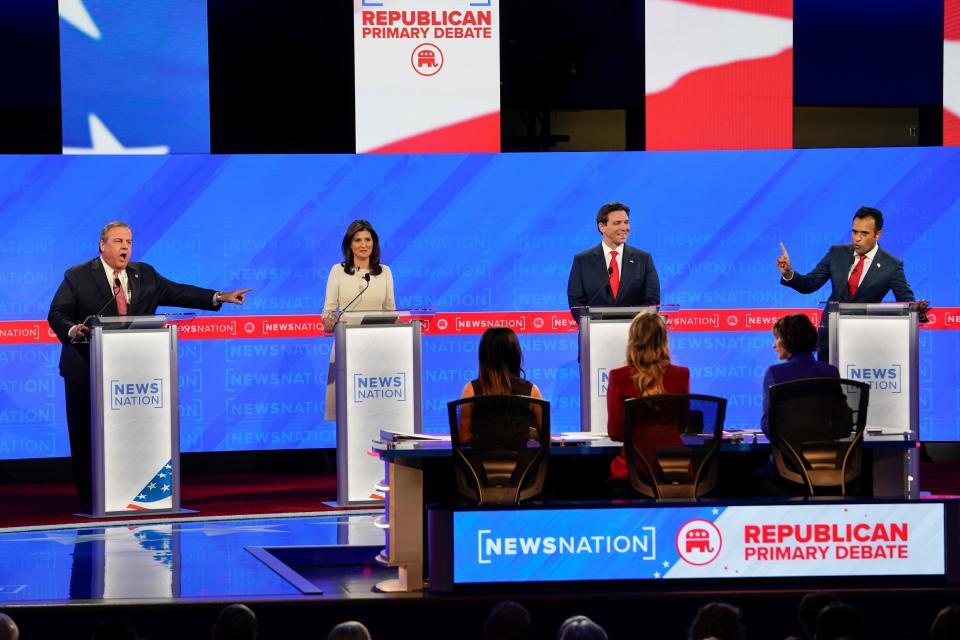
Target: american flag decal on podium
<point>159,488</point>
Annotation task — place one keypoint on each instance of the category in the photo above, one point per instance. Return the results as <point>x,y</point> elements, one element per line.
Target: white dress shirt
<point>123,279</point>
<point>866,263</point>
<point>606,256</point>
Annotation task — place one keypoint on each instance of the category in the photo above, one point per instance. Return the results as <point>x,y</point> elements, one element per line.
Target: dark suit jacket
<point>885,274</point>
<point>797,367</point>
<point>589,280</point>
<point>84,292</point>
<point>620,386</point>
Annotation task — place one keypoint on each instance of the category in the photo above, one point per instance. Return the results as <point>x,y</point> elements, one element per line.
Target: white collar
<point>870,254</point>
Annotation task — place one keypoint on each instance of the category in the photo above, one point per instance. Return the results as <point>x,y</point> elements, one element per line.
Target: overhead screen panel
<point>427,76</point>
<point>951,72</point>
<point>484,239</point>
<point>134,76</point>
<point>719,74</point>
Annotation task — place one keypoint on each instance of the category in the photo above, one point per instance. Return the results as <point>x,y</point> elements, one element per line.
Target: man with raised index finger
<point>858,272</point>
<point>113,285</point>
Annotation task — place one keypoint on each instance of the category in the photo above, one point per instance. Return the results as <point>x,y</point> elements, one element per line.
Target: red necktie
<point>119,294</point>
<point>854,282</point>
<point>614,274</point>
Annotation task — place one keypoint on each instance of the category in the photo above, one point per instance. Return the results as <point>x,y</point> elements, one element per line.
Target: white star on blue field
<point>134,77</point>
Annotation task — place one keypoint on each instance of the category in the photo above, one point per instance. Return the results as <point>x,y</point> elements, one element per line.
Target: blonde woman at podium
<point>359,283</point>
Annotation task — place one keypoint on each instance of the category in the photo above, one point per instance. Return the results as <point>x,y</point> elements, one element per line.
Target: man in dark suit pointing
<point>109,285</point>
<point>613,274</point>
<point>858,272</point>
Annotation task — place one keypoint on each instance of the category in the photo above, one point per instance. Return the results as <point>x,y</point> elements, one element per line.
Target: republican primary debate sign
<point>427,76</point>
<point>800,540</point>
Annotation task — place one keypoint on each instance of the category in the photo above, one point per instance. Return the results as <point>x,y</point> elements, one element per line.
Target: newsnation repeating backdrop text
<point>483,239</point>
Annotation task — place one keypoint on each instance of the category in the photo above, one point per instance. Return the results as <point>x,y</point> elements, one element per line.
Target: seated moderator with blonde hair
<point>648,372</point>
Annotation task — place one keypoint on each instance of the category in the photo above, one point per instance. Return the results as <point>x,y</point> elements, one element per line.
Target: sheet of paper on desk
<point>581,436</point>
<point>741,434</point>
<point>392,436</point>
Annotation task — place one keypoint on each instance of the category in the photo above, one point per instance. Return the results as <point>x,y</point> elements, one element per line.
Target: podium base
<point>134,514</point>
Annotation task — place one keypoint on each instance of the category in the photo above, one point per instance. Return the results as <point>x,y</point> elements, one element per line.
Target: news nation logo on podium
<point>380,387</point>
<point>147,393</point>
<point>886,378</point>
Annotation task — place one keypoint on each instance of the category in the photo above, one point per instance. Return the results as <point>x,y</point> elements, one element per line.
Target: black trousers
<point>78,423</point>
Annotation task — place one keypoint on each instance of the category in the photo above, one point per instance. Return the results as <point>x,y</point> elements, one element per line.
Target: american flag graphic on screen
<point>719,74</point>
<point>159,487</point>
<point>951,72</point>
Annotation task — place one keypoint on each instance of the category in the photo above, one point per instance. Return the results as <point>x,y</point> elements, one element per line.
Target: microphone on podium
<point>605,287</point>
<point>366,277</point>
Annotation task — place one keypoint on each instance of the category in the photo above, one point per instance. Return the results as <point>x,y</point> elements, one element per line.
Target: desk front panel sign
<point>652,543</point>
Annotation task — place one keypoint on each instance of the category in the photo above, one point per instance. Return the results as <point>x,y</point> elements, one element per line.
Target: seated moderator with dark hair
<point>796,333</point>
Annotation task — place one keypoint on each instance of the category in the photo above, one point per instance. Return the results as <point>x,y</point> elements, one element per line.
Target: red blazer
<point>620,386</point>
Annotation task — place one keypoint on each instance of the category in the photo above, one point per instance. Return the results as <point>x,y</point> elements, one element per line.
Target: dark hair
<point>946,626</point>
<point>235,622</point>
<point>500,360</point>
<point>609,208</point>
<point>870,212</point>
<point>356,227</point>
<point>717,620</point>
<point>839,620</point>
<point>797,333</point>
<point>507,621</point>
<point>581,628</point>
<point>349,630</point>
<point>810,607</point>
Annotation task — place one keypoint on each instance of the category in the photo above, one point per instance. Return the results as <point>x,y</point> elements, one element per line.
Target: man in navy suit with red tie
<point>613,274</point>
<point>113,285</point>
<point>858,272</point>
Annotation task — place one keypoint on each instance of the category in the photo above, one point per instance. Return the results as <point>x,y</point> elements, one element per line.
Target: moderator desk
<point>408,462</point>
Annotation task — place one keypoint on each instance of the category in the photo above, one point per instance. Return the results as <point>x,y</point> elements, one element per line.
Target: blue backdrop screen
<point>462,233</point>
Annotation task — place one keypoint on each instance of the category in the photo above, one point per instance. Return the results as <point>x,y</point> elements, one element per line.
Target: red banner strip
<point>451,324</point>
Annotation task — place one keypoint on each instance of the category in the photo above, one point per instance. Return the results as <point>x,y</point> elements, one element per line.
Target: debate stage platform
<point>304,573</point>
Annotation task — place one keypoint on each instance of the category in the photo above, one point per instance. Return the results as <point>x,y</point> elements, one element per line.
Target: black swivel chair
<point>816,429</point>
<point>671,443</point>
<point>500,446</point>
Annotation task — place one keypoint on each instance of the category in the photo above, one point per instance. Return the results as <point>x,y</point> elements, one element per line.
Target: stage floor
<point>180,561</point>
<point>313,571</point>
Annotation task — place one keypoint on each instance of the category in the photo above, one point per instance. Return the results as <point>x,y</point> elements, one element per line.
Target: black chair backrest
<point>816,429</point>
<point>500,446</point>
<point>666,455</point>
